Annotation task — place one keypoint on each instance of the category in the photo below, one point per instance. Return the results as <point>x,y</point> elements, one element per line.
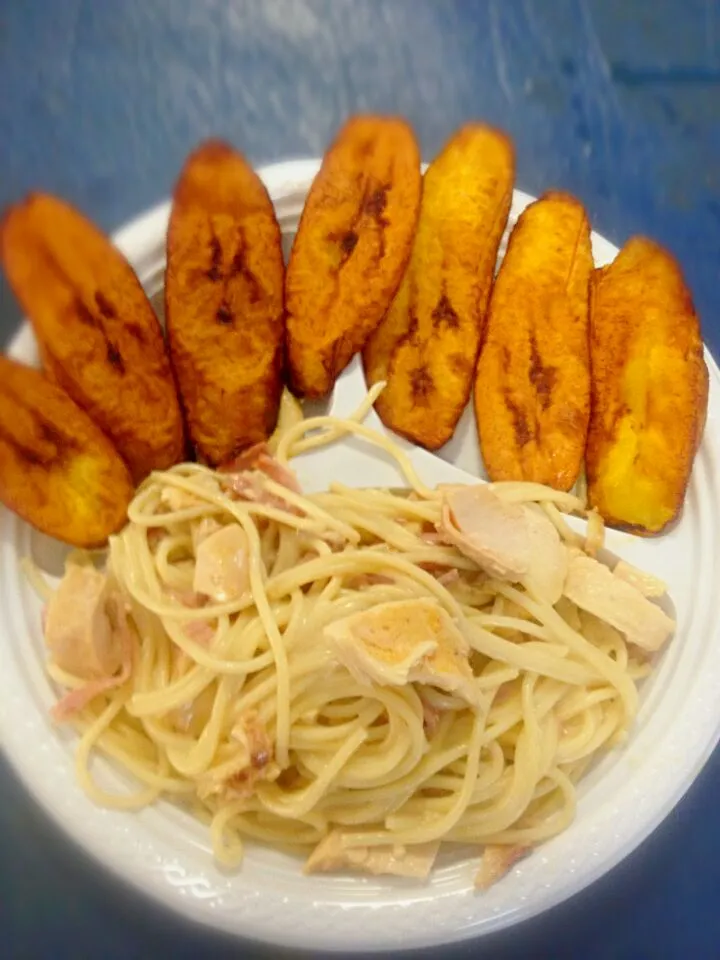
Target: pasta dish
<point>358,675</point>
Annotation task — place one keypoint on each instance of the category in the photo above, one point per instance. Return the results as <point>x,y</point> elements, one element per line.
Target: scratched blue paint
<point>617,101</point>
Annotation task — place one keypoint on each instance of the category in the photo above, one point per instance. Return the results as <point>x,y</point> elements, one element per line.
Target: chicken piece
<point>548,557</point>
<point>98,336</point>
<point>650,389</point>
<point>351,248</point>
<point>648,585</point>
<point>402,642</point>
<point>532,386</point>
<point>237,779</point>
<point>88,636</point>
<point>497,860</point>
<point>509,541</point>
<point>594,588</point>
<point>222,565</point>
<point>426,346</point>
<point>78,631</point>
<point>201,531</point>
<point>491,532</point>
<point>224,301</point>
<point>414,861</point>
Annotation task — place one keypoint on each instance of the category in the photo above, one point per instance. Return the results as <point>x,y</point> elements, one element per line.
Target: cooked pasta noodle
<point>240,708</point>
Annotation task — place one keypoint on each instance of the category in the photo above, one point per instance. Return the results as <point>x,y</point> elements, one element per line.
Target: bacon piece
<point>449,577</point>
<point>251,487</point>
<point>259,457</point>
<point>201,631</point>
<point>497,859</point>
<point>369,580</point>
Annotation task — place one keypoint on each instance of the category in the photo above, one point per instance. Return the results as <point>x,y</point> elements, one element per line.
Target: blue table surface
<point>617,101</point>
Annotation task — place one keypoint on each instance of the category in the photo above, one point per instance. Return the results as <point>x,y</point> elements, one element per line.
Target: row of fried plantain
<point>384,261</point>
<point>567,364</point>
<point>604,367</point>
<point>621,387</point>
<point>114,401</point>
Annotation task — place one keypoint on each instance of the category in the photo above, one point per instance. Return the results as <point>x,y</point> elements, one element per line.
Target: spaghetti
<point>239,705</point>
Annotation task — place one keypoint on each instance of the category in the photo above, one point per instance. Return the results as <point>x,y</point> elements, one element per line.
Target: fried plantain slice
<point>58,470</point>
<point>427,344</point>
<point>98,336</point>
<point>532,384</point>
<point>649,389</point>
<point>224,302</point>
<point>352,245</point>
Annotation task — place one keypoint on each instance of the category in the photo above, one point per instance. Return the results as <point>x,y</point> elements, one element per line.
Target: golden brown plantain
<point>351,247</point>
<point>649,389</point>
<point>58,470</point>
<point>224,302</point>
<point>532,384</point>
<point>98,336</point>
<point>427,344</point>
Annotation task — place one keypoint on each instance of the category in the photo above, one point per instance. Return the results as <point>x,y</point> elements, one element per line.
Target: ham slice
<point>251,487</point>
<point>259,457</point>
<point>497,859</point>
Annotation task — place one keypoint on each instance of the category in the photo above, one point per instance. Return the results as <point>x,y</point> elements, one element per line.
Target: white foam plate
<point>165,854</point>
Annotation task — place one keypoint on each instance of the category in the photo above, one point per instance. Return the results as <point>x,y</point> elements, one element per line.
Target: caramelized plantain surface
<point>351,248</point>
<point>58,471</point>
<point>98,336</point>
<point>650,389</point>
<point>532,384</point>
<point>427,344</point>
<point>224,302</point>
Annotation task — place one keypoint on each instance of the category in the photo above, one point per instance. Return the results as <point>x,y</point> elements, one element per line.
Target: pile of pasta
<point>282,705</point>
